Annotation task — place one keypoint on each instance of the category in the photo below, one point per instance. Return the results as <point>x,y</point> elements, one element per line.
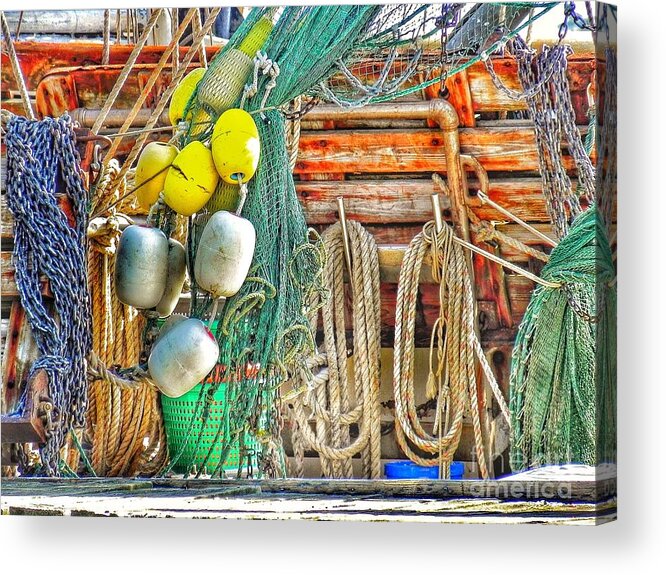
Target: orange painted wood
<point>459,95</point>
<point>65,89</point>
<point>498,148</point>
<point>40,58</point>
<point>490,285</point>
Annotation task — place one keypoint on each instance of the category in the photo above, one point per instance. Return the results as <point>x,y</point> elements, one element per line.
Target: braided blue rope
<point>42,161</point>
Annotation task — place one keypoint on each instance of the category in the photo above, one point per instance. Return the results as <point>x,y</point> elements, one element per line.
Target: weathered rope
<point>150,82</point>
<point>266,66</point>
<point>454,347</point>
<point>127,69</point>
<point>487,232</point>
<point>16,68</point>
<point>293,132</point>
<point>123,412</point>
<point>335,403</point>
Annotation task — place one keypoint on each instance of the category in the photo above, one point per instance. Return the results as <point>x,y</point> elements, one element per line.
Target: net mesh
<point>349,55</point>
<point>562,376</point>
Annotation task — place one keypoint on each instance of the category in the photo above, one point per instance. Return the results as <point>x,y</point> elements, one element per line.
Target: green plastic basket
<point>178,414</point>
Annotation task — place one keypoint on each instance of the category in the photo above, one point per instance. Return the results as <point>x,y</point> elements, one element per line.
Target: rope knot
<point>263,64</point>
<point>104,232</point>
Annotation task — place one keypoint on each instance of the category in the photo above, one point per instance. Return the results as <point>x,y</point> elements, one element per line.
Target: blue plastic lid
<point>457,469</point>
<point>406,469</point>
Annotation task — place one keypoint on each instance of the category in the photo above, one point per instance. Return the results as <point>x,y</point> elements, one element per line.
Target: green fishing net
<point>348,55</point>
<point>563,368</point>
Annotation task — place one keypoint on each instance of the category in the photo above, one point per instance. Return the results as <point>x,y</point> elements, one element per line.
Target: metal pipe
<point>345,233</point>
<point>86,117</point>
<point>437,211</point>
<point>438,110</point>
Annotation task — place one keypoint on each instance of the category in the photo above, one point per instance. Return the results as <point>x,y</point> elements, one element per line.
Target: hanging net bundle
<point>563,364</point>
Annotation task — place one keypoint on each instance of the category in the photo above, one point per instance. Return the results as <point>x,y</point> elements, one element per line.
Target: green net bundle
<point>563,369</point>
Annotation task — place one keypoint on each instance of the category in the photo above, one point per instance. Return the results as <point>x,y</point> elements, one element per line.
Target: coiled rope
<point>122,413</point>
<point>454,350</point>
<point>331,399</point>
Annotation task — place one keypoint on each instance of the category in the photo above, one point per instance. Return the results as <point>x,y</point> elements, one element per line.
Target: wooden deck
<point>516,502</point>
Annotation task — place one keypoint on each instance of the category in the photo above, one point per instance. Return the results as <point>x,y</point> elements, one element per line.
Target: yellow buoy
<point>182,94</point>
<point>256,37</point>
<point>223,86</point>
<point>235,146</point>
<point>226,197</point>
<point>191,179</point>
<point>151,171</point>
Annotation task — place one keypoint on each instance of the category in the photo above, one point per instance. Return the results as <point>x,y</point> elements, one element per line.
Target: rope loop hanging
<point>454,350</point>
<point>330,399</point>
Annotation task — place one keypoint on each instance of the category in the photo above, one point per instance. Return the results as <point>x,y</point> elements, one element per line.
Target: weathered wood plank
<point>504,489</point>
<point>8,284</point>
<point>28,426</point>
<point>460,96</point>
<point>401,201</point>
<point>39,58</point>
<point>505,148</point>
<point>391,201</point>
<point>487,98</point>
<point>16,357</point>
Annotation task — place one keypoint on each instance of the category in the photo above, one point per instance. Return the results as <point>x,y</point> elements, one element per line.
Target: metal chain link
<point>42,161</point>
<point>449,18</point>
<point>551,111</point>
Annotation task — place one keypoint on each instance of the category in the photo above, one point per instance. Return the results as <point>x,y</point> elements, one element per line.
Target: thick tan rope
<point>122,411</point>
<point>293,133</point>
<point>487,232</point>
<point>335,404</point>
<point>454,351</point>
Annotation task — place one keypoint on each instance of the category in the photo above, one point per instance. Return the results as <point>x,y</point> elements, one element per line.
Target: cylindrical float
<point>226,197</point>
<point>235,146</point>
<point>223,86</point>
<point>191,179</point>
<point>182,94</point>
<point>140,272</point>
<point>182,357</point>
<point>151,171</point>
<point>256,37</point>
<point>176,268</point>
<point>225,254</point>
